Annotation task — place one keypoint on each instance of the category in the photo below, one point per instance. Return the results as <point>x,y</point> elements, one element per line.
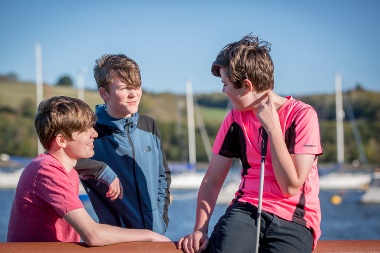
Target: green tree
<point>65,81</point>
<point>28,108</point>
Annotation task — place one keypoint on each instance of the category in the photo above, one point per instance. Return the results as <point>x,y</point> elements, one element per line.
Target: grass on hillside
<point>12,94</point>
<point>164,107</point>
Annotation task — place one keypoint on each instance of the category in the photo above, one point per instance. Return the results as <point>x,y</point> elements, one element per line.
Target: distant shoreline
<point>10,164</point>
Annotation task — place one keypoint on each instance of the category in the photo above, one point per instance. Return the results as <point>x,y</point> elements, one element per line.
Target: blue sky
<point>175,41</point>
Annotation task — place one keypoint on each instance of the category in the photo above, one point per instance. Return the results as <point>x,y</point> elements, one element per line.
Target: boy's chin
<point>133,111</point>
<point>90,154</point>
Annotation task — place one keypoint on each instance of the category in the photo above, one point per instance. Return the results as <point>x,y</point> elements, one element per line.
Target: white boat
<point>9,179</point>
<point>344,180</point>
<point>372,194</point>
<point>227,193</point>
<point>187,180</point>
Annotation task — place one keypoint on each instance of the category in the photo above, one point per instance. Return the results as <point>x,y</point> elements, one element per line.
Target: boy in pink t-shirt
<point>46,205</point>
<point>290,220</point>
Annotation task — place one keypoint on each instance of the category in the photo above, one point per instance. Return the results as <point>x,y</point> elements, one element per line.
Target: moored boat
<point>372,194</point>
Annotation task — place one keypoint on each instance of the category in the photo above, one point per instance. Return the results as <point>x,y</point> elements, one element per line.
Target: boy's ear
<point>103,93</point>
<point>248,86</point>
<point>60,141</point>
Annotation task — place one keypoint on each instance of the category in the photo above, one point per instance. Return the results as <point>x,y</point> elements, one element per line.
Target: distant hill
<point>161,106</point>
<point>18,106</point>
<point>362,108</point>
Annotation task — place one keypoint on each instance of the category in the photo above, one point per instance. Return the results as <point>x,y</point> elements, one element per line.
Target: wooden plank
<point>325,246</point>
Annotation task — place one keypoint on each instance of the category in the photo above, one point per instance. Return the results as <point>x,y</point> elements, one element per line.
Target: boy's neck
<point>115,115</point>
<point>67,162</point>
<point>263,97</point>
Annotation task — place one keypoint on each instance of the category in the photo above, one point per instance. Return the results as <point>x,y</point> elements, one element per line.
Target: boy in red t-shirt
<point>46,205</point>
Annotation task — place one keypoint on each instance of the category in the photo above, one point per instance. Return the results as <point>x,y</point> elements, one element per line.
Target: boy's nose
<point>95,134</point>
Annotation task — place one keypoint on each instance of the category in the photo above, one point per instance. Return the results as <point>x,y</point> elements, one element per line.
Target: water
<point>348,220</point>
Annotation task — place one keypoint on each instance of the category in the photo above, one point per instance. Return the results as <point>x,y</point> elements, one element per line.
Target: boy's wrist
<point>107,176</point>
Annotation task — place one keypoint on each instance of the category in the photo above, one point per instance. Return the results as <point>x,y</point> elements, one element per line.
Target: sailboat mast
<point>80,83</point>
<point>39,85</point>
<point>190,123</point>
<point>339,119</point>
<point>202,129</point>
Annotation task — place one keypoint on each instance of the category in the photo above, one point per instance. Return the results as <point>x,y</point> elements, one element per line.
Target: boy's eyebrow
<point>122,86</point>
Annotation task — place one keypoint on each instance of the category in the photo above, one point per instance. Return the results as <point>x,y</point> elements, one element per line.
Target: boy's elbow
<point>290,191</point>
<point>93,243</point>
<point>93,239</point>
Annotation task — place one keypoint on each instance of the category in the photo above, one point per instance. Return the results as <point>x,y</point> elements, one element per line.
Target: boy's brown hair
<point>247,58</point>
<point>118,66</point>
<point>62,115</point>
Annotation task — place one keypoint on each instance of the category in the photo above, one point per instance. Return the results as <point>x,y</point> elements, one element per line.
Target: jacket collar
<point>116,124</point>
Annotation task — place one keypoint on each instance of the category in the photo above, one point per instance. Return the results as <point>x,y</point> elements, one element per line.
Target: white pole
<point>190,123</point>
<point>80,83</point>
<point>202,129</point>
<point>80,92</point>
<point>339,119</point>
<point>39,85</point>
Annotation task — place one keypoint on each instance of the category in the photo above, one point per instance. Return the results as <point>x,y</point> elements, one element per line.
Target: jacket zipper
<point>135,178</point>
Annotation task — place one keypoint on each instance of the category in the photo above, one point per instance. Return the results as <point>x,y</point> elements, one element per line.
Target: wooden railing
<point>334,246</point>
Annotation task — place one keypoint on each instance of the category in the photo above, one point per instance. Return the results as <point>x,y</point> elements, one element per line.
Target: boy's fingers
<point>121,191</point>
<point>270,97</point>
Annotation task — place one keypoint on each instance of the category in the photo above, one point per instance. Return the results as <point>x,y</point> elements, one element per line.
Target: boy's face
<point>236,96</point>
<point>82,145</point>
<point>121,101</point>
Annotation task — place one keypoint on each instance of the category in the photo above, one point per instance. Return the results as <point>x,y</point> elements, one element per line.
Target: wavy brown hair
<point>247,58</point>
<point>62,115</point>
<point>120,66</point>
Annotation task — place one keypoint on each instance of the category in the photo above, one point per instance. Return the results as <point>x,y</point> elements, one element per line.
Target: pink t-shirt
<point>239,137</point>
<point>44,194</point>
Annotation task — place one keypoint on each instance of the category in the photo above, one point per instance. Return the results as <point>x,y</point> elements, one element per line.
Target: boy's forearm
<point>205,206</point>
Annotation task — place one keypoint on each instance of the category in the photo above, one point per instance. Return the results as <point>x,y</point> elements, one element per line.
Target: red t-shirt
<point>44,194</point>
<point>239,137</point>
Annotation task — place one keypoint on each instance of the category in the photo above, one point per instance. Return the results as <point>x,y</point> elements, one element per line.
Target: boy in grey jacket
<point>131,145</point>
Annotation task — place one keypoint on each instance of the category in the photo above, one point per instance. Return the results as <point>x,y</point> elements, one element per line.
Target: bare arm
<point>291,171</point>
<point>207,196</point>
<point>95,234</point>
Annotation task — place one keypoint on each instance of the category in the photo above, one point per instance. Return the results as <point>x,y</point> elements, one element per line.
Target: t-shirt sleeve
<point>226,142</point>
<point>58,188</point>
<point>307,135</point>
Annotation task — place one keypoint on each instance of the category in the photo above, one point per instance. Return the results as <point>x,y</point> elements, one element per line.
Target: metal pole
<point>190,124</point>
<point>202,129</point>
<point>339,119</point>
<point>264,143</point>
<point>80,83</point>
<point>39,86</point>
